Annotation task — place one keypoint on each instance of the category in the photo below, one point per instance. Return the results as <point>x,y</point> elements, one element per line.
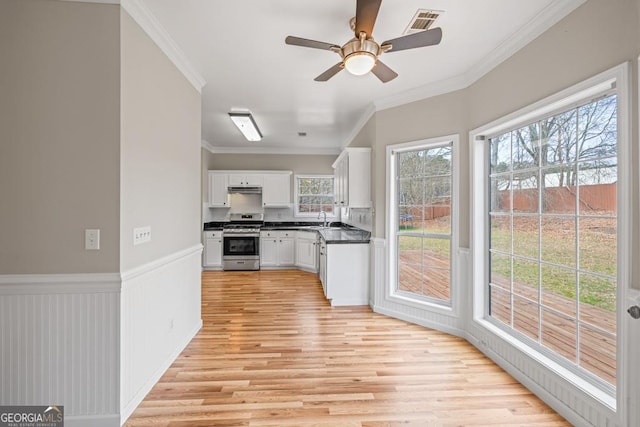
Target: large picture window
<point>553,233</point>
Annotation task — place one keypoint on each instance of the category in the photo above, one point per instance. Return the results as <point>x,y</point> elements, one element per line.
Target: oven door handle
<point>240,235</point>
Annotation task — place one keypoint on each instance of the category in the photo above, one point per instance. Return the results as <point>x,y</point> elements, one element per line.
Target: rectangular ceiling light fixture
<point>244,121</point>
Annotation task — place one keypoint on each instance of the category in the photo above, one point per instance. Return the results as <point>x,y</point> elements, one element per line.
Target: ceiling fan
<point>361,54</point>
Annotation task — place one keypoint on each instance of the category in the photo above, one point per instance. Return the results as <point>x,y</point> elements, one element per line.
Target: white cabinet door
<point>277,248</point>
<point>322,265</point>
<point>352,174</point>
<point>340,181</point>
<point>358,177</point>
<point>254,179</point>
<point>212,249</point>
<point>306,251</point>
<point>346,275</point>
<point>218,196</point>
<point>276,190</point>
<point>245,179</point>
<point>286,251</point>
<point>268,249</point>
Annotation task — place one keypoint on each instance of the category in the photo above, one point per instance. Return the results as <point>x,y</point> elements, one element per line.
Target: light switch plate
<point>141,235</point>
<point>92,239</point>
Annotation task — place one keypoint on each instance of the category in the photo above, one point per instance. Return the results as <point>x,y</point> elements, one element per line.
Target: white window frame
<point>391,294</point>
<point>618,79</point>
<point>297,212</point>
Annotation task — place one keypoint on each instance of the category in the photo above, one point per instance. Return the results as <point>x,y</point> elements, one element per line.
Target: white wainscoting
<point>60,344</point>
<point>160,314</point>
<point>96,343</point>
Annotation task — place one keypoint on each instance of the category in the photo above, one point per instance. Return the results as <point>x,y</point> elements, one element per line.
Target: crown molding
<point>364,118</point>
<point>270,150</point>
<point>422,92</point>
<point>544,20</point>
<point>141,14</point>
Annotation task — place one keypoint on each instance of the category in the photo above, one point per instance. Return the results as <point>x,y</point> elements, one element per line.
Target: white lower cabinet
<point>212,256</point>
<point>307,250</point>
<point>344,273</point>
<point>277,248</point>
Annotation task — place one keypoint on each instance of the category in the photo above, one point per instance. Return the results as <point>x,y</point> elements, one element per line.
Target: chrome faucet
<point>324,222</point>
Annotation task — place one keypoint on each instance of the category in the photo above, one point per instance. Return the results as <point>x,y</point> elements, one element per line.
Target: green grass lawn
<point>596,254</point>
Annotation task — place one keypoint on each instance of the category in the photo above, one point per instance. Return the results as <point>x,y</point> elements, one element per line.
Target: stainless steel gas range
<point>241,242</point>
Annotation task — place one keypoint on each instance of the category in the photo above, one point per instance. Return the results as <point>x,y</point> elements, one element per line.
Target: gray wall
<point>160,154</point>
<point>59,136</point>
<point>429,118</point>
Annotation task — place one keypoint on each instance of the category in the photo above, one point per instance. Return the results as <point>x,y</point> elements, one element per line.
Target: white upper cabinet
<point>218,196</point>
<point>245,179</point>
<point>276,190</point>
<point>352,178</point>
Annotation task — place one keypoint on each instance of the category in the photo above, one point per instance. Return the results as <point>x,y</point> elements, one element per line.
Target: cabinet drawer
<point>278,234</point>
<point>213,234</point>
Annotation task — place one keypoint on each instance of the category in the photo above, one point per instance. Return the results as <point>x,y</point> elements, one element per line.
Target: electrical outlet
<point>92,239</point>
<point>141,235</point>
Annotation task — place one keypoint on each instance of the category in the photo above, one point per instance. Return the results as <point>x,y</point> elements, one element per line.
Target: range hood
<point>245,190</point>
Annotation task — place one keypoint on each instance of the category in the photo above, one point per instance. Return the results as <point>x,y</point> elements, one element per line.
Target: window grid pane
<point>553,234</point>
<point>424,186</point>
<point>314,195</point>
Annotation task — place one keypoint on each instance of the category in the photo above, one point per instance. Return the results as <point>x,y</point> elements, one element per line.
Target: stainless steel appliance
<point>241,242</point>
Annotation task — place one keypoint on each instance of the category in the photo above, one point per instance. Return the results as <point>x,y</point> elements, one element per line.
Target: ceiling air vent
<point>422,20</point>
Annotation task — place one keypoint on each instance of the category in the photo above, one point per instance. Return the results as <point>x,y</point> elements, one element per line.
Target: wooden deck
<point>596,351</point>
<point>273,352</point>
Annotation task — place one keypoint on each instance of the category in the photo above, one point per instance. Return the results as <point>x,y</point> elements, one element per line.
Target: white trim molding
<point>22,284</point>
<point>140,13</point>
<point>160,262</point>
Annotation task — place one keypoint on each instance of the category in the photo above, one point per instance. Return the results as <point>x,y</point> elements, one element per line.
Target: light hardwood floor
<point>273,352</point>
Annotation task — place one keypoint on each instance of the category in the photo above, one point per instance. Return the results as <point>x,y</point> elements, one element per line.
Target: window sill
<point>432,306</point>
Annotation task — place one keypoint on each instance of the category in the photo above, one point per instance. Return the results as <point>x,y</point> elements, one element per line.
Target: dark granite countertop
<point>338,233</point>
<point>344,235</point>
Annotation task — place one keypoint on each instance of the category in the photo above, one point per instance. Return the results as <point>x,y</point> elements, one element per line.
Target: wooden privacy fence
<point>597,197</point>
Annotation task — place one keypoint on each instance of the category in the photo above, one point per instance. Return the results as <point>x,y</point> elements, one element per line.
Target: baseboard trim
<point>131,406</point>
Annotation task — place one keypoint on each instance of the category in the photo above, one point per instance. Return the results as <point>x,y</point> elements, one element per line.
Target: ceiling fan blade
<point>330,73</point>
<point>384,73</point>
<point>421,39</point>
<point>297,41</point>
<point>366,14</point>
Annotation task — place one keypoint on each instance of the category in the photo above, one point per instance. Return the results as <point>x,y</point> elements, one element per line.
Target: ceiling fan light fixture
<point>246,124</point>
<point>359,63</point>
